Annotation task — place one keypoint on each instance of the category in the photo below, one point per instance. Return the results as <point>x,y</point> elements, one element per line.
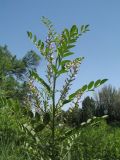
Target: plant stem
<point>53,120</point>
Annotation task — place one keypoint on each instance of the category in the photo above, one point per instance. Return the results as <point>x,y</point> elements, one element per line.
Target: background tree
<point>88,108</point>
<point>14,73</point>
<point>74,117</point>
<point>108,102</point>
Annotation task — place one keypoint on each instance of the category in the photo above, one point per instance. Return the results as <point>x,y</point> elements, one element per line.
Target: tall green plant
<point>56,50</point>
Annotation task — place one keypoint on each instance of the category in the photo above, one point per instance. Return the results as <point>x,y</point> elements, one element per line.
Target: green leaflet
<point>68,54</point>
<point>81,90</point>
<point>34,39</point>
<point>84,88</point>
<point>67,33</point>
<point>39,43</point>
<point>84,28</point>
<point>70,46</point>
<point>99,82</point>
<point>103,81</point>
<point>29,34</point>
<point>39,79</point>
<point>62,71</point>
<point>66,101</point>
<point>73,30</point>
<point>90,85</point>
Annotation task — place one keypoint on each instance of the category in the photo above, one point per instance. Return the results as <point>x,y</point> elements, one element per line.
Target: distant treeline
<point>105,102</point>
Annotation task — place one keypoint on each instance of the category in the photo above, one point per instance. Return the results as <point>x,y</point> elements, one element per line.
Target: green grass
<point>100,142</point>
<point>97,143</point>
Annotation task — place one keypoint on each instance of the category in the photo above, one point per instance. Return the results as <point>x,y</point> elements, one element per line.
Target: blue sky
<point>100,46</point>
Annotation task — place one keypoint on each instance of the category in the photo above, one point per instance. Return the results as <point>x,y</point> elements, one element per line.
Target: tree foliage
<point>108,102</point>
<point>15,72</point>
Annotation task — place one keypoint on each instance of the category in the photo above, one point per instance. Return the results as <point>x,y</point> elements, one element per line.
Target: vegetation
<point>106,101</point>
<point>15,72</point>
<point>34,125</point>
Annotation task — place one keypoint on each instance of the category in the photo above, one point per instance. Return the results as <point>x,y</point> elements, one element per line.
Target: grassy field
<point>100,142</point>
